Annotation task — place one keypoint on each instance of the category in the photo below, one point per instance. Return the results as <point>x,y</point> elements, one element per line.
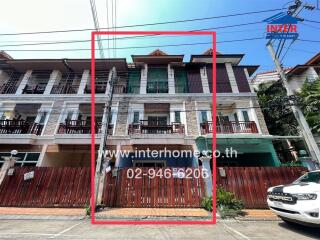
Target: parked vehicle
<point>298,202</point>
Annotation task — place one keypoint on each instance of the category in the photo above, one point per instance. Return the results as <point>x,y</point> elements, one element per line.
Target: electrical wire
<point>145,24</point>
<point>133,47</point>
<point>127,37</point>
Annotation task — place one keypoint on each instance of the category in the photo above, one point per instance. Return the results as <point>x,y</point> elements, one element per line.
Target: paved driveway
<point>82,229</point>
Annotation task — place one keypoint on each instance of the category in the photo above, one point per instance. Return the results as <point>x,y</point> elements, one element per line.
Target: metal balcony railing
<point>143,127</point>
<point>230,127</point>
<point>19,127</point>
<point>34,89</point>
<point>64,89</point>
<point>81,127</point>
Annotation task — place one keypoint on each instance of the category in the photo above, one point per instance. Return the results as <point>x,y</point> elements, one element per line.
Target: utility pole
<point>294,10</point>
<point>107,114</point>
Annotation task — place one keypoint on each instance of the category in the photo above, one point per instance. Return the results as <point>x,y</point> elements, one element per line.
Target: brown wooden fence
<point>50,187</point>
<point>250,184</point>
<point>144,191</point>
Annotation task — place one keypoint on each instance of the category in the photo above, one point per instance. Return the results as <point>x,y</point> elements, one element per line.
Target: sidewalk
<point>153,213</point>
<point>42,213</point>
<point>258,215</point>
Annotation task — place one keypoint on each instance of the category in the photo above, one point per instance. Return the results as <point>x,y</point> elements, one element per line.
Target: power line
<point>132,47</point>
<point>124,38</point>
<point>145,24</point>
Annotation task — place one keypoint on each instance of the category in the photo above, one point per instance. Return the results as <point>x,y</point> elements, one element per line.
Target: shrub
<point>227,200</point>
<point>87,209</point>
<point>206,203</point>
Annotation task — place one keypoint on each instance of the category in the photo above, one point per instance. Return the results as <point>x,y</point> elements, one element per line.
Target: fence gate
<point>46,187</point>
<point>136,187</point>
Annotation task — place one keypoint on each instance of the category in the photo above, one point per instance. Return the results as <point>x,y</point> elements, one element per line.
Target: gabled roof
<point>314,60</point>
<point>157,57</point>
<point>5,56</point>
<point>158,52</point>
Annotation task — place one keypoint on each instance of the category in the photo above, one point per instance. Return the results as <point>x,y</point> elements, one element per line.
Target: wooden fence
<point>250,184</point>
<point>145,191</point>
<point>50,187</point>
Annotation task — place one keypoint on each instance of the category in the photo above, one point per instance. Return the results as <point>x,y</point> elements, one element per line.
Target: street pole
<point>104,134</point>
<point>303,124</point>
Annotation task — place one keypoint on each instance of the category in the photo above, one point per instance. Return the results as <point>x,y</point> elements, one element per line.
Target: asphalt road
<point>82,229</point>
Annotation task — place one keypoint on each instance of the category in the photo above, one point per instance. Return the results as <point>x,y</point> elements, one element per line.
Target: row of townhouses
<point>159,101</point>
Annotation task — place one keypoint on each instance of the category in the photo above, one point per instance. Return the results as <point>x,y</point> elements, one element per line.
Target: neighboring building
<point>159,101</point>
<point>267,78</point>
<point>296,76</point>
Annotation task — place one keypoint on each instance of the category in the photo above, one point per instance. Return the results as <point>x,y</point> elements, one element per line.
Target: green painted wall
<point>254,152</point>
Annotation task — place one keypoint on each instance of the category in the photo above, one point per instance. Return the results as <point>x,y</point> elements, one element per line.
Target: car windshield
<point>309,177</point>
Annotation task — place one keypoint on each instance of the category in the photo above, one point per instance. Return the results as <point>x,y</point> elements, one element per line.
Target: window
<point>43,118</point>
<point>157,120</point>
<point>177,117</point>
<point>204,117</point>
<point>136,117</point>
<point>236,117</point>
<point>157,80</point>
<point>25,158</point>
<point>146,163</point>
<point>245,116</point>
<point>134,81</point>
<point>181,80</point>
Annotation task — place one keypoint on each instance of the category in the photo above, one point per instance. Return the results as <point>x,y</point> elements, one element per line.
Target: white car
<point>298,202</point>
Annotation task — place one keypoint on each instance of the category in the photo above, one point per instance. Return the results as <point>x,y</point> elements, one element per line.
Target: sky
<point>46,15</point>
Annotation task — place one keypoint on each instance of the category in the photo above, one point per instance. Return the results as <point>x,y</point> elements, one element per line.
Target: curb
<point>40,217</point>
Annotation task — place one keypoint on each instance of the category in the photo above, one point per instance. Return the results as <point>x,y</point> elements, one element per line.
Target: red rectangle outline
<point>210,33</point>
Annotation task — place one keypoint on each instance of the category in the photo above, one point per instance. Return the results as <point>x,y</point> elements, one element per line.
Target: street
<point>82,229</point>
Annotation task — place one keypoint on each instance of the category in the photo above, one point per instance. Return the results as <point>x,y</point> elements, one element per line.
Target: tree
<point>276,110</point>
<point>310,103</point>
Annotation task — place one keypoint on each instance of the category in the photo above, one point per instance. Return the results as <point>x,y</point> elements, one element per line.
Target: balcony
<point>119,89</point>
<point>34,89</point>
<point>98,88</point>
<point>20,127</point>
<point>230,127</point>
<point>143,127</point>
<point>10,86</point>
<point>81,127</point>
<point>64,89</point>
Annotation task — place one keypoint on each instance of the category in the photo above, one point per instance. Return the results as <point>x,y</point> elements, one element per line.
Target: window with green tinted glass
<point>157,80</point>
<point>136,117</point>
<point>245,116</point>
<point>180,80</point>
<point>177,117</point>
<point>134,81</point>
<point>204,116</point>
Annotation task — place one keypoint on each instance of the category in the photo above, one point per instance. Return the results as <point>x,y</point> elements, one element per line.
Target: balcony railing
<point>144,128</point>
<point>119,89</point>
<point>8,88</point>
<point>81,127</point>
<point>230,127</point>
<point>98,88</point>
<point>20,127</point>
<point>64,89</point>
<point>34,89</point>
<point>157,87</point>
<point>11,85</point>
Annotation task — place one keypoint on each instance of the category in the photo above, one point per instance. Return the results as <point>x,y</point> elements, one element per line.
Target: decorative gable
<point>157,52</point>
